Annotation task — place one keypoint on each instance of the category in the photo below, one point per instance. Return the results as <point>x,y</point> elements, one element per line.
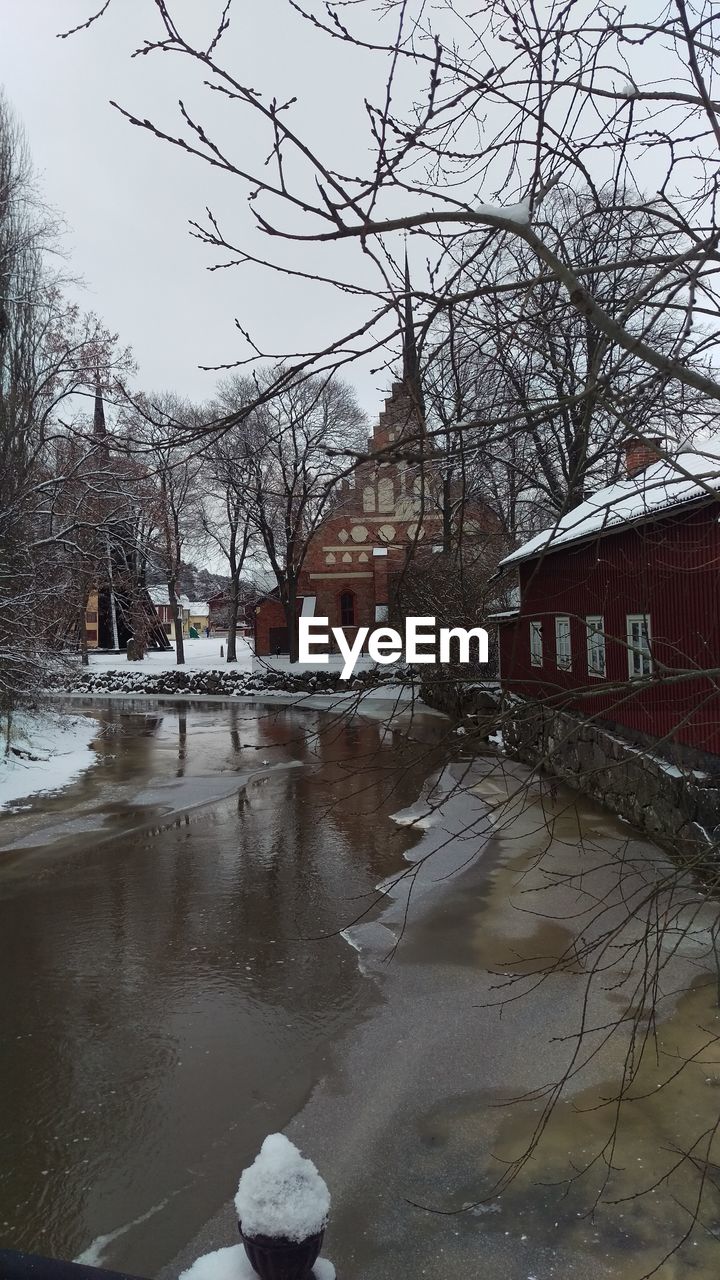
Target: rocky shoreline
<point>221,682</point>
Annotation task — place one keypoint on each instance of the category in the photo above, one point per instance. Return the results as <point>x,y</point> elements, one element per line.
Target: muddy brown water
<point>174,983</point>
<point>174,987</point>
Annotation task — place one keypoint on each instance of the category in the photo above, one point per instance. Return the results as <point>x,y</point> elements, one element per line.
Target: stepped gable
<point>399,419</point>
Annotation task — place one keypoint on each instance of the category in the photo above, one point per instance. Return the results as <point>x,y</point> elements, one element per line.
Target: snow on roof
<point>659,488</point>
<point>159,595</point>
<point>199,608</point>
<point>282,1194</point>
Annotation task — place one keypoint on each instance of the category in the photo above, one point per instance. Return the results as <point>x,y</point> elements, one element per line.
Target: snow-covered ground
<point>200,655</point>
<point>48,750</point>
<point>204,655</point>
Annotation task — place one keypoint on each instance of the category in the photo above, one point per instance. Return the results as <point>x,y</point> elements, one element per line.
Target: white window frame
<point>635,652</point>
<point>595,630</point>
<point>536,650</point>
<point>563,644</point>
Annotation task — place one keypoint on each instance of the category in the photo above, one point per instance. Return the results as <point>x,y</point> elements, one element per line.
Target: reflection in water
<point>182,742</point>
<point>174,978</point>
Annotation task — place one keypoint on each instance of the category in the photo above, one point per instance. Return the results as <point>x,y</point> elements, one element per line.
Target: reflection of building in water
<point>263,732</point>
<point>370,772</point>
<point>191,956</point>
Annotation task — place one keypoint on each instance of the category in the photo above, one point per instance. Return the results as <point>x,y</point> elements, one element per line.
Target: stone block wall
<point>676,805</point>
<point>460,699</point>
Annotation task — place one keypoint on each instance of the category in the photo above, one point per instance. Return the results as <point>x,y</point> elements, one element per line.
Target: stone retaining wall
<point>460,699</point>
<point>677,806</point>
<point>222,681</point>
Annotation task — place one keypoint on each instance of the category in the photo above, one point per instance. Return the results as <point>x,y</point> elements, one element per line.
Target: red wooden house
<point>619,615</point>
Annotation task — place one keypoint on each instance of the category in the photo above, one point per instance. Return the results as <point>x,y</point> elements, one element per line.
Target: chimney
<point>640,454</point>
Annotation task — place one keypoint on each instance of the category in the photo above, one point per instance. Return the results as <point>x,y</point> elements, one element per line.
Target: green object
<point>194,633</point>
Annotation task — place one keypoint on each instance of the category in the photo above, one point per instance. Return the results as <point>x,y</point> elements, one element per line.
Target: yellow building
<point>91,621</point>
<point>198,616</point>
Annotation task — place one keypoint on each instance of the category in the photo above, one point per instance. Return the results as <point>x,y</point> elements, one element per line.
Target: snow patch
<point>518,213</point>
<point>282,1194</point>
<point>95,1252</point>
<point>373,942</point>
<point>233,1264</point>
<point>202,654</point>
<point>625,88</point>
<point>48,751</point>
<point>419,815</point>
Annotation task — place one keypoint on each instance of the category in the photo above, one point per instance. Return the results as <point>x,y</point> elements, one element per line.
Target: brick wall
<point>380,510</point>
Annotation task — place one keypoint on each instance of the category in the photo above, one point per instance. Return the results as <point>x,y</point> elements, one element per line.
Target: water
<point>175,983</point>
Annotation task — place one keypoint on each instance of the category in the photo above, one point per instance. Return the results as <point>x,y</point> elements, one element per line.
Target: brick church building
<point>389,511</point>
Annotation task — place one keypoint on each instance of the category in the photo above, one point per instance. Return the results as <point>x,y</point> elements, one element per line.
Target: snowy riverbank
<point>205,673</point>
<point>47,751</point>
<point>209,655</point>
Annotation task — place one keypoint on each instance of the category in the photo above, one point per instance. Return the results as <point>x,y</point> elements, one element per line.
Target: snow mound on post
<point>282,1194</point>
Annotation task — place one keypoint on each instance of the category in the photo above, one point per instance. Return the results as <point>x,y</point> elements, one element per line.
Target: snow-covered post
<point>283,1206</point>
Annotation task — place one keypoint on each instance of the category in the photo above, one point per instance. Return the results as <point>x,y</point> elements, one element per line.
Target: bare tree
<point>50,471</point>
<point>569,395</point>
<point>163,424</point>
<point>513,103</point>
<point>289,456</point>
<point>226,513</point>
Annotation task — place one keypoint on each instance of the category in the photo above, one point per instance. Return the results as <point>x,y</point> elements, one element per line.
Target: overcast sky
<point>126,198</point>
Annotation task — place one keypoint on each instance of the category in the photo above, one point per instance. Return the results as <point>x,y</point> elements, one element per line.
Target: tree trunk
<point>179,638</point>
<point>447,529</point>
<point>177,623</point>
<point>232,623</point>
<point>291,620</point>
<point>111,596</point>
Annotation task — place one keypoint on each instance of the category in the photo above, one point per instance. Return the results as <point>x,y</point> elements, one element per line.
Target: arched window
<point>369,499</point>
<point>347,609</point>
<point>386,495</point>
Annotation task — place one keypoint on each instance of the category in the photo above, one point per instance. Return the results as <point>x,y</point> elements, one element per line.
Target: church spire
<point>99,428</point>
<point>411,365</point>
